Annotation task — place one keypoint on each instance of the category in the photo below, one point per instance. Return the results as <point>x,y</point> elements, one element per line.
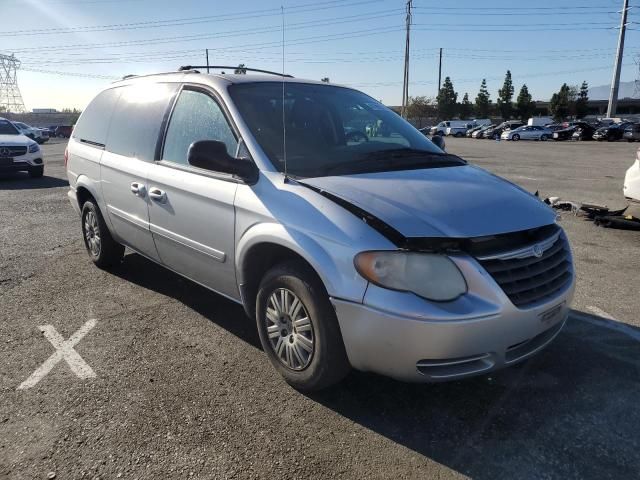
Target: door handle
<point>138,189</point>
<point>157,195</point>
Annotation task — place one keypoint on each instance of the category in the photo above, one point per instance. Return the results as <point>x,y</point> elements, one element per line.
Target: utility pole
<point>615,83</point>
<point>207,53</point>
<point>440,72</point>
<point>405,84</point>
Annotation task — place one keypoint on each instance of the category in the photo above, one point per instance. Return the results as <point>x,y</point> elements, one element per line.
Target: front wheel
<point>515,137</point>
<point>104,251</point>
<point>298,328</point>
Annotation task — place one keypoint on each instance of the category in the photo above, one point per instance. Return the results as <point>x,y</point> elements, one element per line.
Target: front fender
<point>335,269</point>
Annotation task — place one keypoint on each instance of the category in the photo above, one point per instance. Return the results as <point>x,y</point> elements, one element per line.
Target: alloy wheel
<point>289,329</point>
<point>92,233</point>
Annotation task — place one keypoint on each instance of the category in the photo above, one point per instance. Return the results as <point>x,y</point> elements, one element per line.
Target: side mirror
<point>438,141</point>
<point>212,155</point>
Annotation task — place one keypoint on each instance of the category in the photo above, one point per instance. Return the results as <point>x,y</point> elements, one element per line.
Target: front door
<point>191,211</point>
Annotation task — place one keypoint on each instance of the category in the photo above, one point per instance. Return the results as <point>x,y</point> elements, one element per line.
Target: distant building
<point>44,110</point>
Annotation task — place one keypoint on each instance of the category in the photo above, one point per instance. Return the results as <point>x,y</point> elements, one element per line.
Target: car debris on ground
<point>627,218</point>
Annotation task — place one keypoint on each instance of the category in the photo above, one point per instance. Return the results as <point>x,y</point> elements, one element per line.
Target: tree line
<point>568,101</point>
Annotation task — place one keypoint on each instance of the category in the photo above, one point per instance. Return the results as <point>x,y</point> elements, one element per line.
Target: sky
<point>70,49</point>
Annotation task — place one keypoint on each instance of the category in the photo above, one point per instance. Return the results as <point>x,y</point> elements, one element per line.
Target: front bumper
<point>403,336</point>
<point>22,163</point>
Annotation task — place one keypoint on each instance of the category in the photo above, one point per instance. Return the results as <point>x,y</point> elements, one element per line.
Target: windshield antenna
<point>284,125</point>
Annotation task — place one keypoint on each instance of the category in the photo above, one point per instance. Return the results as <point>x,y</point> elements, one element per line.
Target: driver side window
<point>196,116</point>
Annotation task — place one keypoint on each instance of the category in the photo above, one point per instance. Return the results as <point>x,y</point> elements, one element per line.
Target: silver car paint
<point>462,201</point>
<point>441,202</point>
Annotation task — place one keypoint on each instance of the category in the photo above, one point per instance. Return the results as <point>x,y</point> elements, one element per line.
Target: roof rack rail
<point>129,76</point>
<point>192,67</point>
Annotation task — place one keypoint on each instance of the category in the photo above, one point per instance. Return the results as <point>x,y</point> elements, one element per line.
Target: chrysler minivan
<point>350,238</point>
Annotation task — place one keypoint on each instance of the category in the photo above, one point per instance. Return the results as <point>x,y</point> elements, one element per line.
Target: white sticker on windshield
<point>374,106</point>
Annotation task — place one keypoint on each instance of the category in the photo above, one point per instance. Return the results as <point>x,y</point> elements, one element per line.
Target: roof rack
<point>193,67</point>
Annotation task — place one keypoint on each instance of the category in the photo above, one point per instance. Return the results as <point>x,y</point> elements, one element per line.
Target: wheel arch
<point>266,245</point>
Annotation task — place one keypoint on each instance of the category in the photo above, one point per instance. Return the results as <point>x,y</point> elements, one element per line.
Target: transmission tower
<point>10,97</point>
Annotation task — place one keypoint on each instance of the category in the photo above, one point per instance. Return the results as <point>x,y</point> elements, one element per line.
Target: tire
<point>309,359</point>
<point>544,137</point>
<point>106,252</point>
<point>515,137</point>
<point>459,134</point>
<point>36,172</point>
<point>610,139</point>
<point>630,140</point>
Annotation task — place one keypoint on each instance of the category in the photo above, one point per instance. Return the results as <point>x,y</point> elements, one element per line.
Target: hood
<point>455,202</point>
<point>19,140</point>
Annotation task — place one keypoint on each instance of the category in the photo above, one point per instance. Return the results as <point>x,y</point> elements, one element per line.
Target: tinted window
<point>137,119</point>
<point>6,128</point>
<point>196,116</point>
<point>94,121</point>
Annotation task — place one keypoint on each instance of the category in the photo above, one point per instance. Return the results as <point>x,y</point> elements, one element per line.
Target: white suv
<point>349,237</point>
<point>17,152</point>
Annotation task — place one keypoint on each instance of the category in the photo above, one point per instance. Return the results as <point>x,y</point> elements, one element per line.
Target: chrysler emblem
<point>4,152</point>
<point>537,251</point>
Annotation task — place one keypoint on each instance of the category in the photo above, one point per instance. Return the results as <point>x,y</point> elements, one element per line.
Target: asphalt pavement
<point>174,383</point>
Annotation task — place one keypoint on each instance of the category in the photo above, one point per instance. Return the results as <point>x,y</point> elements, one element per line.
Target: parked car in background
<point>631,188</point>
<point>481,133</point>
<point>471,131</point>
<point>458,131</point>
<point>386,254</point>
<point>566,132</point>
<point>555,126</point>
<point>441,128</point>
<point>31,132</point>
<point>632,132</point>
<point>52,130</point>
<point>64,131</point>
<point>613,132</point>
<point>583,132</point>
<point>18,153</point>
<point>527,132</point>
<point>503,127</point>
<point>44,135</point>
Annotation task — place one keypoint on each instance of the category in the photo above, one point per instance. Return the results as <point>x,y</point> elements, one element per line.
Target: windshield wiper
<point>396,159</point>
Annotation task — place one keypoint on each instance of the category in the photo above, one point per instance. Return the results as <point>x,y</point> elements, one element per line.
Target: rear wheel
<point>544,137</point>
<point>102,248</point>
<point>298,328</point>
<point>36,172</point>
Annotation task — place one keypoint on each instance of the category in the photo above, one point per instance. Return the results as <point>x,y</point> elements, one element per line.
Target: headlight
<point>434,277</point>
<point>34,147</point>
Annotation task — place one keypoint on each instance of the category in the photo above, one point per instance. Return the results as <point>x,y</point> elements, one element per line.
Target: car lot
<point>182,388</point>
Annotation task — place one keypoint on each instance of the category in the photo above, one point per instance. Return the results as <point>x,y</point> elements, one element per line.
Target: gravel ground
<point>183,390</point>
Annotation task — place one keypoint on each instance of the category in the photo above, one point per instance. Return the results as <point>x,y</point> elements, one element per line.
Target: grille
<point>527,279</point>
<point>15,151</point>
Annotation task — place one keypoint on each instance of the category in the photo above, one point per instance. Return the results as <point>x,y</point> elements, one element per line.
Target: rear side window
<point>94,122</point>
<point>196,116</point>
<point>137,119</point>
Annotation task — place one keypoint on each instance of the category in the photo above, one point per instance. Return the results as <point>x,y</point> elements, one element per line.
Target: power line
<point>304,8</point>
<point>225,34</point>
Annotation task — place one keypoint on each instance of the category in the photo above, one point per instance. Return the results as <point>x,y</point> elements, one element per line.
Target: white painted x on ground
<point>64,351</point>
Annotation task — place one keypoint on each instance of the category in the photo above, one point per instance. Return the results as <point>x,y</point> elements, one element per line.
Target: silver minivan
<point>351,239</point>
